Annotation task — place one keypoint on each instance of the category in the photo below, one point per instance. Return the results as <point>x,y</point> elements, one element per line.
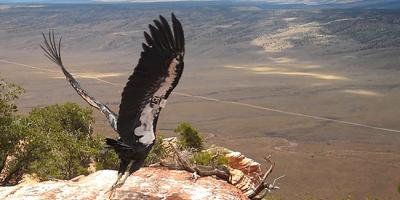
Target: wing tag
<point>160,101</point>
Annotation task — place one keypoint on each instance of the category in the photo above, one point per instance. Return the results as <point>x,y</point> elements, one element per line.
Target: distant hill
<point>365,4</point>
<point>276,4</point>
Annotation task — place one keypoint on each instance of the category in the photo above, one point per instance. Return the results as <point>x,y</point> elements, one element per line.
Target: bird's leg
<point>133,166</point>
<point>113,187</point>
<point>128,170</point>
<point>123,168</point>
<point>121,180</point>
<point>120,174</point>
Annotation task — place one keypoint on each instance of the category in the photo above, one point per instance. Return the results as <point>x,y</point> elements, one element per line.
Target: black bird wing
<point>155,76</point>
<point>52,50</point>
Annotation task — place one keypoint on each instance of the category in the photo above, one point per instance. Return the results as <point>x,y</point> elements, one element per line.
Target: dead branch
<point>263,188</point>
<point>181,161</point>
<point>211,171</point>
<point>260,187</point>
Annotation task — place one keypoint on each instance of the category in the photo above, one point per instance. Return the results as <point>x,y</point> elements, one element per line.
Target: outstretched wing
<point>156,75</point>
<point>52,50</point>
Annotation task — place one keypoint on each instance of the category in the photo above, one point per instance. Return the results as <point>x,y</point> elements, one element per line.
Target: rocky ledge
<point>147,183</point>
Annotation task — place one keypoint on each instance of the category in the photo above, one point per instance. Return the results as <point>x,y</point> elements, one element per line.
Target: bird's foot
<point>111,191</point>
<point>118,183</point>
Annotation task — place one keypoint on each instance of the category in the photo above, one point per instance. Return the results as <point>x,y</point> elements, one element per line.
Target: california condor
<point>155,76</point>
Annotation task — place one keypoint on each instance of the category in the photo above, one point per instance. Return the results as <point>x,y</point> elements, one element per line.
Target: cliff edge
<point>150,183</point>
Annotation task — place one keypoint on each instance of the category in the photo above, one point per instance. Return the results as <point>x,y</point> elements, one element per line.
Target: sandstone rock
<point>147,183</point>
<point>241,181</point>
<point>236,160</point>
<point>243,172</point>
<point>249,167</point>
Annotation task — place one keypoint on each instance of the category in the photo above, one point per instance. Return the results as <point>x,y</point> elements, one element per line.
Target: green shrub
<point>398,188</point>
<point>106,158</point>
<point>189,137</point>
<point>8,93</point>
<point>157,153</point>
<point>69,118</point>
<point>56,141</point>
<point>202,158</point>
<point>208,158</point>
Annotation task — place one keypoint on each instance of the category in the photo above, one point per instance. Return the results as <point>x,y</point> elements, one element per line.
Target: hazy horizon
<point>273,4</point>
<point>318,89</point>
<point>308,2</point>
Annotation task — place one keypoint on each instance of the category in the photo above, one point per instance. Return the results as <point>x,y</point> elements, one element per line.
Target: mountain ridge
<point>280,4</point>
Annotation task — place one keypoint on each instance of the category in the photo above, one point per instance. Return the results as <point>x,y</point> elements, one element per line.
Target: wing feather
<point>148,38</point>
<point>164,35</point>
<point>52,50</point>
<point>178,34</point>
<point>160,61</point>
<point>156,35</point>
<point>168,32</point>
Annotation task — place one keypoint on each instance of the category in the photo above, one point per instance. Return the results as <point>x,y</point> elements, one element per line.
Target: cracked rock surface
<point>147,183</point>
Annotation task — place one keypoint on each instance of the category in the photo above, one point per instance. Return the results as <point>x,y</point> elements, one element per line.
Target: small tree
<point>56,141</point>
<point>8,93</point>
<point>69,118</point>
<point>189,137</point>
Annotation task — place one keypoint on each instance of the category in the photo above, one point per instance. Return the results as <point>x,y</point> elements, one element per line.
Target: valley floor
<point>321,159</point>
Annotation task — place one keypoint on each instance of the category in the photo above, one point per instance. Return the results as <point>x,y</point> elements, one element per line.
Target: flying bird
<point>155,76</point>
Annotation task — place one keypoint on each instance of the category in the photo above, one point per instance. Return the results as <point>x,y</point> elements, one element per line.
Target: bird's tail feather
<point>117,144</point>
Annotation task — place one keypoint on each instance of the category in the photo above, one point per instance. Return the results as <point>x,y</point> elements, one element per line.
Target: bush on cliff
<point>56,141</point>
<point>209,158</point>
<point>8,93</point>
<point>189,137</point>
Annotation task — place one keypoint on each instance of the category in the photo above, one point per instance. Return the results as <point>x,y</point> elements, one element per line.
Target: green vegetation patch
<point>53,142</point>
<point>189,137</point>
<point>208,158</point>
<point>398,188</point>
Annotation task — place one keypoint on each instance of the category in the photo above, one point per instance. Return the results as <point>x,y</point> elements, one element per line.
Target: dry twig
<point>263,188</point>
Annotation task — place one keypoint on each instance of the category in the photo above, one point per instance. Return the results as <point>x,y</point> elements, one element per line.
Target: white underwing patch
<point>150,111</point>
<point>146,128</point>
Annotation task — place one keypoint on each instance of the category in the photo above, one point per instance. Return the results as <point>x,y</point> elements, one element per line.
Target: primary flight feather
<point>157,73</point>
